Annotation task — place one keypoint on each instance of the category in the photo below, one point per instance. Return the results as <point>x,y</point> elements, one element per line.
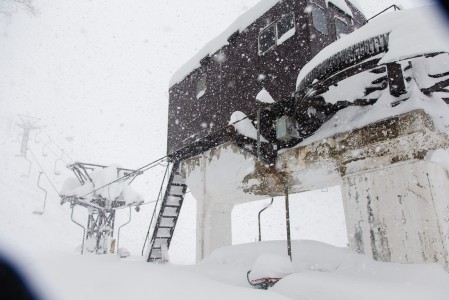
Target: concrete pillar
<point>214,228</point>
<point>218,179</point>
<point>396,202</point>
<point>399,213</point>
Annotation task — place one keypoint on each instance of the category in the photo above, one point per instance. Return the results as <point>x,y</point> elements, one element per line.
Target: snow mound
<point>244,126</point>
<point>264,97</point>
<point>343,273</point>
<point>272,266</point>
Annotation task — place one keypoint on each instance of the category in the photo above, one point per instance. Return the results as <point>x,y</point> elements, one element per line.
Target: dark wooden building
<point>265,48</point>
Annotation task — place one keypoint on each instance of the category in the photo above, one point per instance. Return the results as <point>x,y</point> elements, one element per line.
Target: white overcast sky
<point>96,72</point>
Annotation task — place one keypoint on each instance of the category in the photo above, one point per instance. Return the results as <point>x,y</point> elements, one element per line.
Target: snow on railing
<point>345,58</point>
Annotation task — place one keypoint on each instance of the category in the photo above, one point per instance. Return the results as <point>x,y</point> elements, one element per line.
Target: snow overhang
<point>411,32</point>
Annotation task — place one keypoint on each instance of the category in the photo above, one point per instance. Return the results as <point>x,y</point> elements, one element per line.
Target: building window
<point>276,33</point>
<point>267,38</point>
<point>319,19</point>
<point>285,28</point>
<point>341,28</point>
<point>201,87</point>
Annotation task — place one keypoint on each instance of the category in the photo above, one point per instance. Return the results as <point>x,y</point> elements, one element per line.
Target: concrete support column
<point>219,179</point>
<point>399,213</point>
<point>214,228</point>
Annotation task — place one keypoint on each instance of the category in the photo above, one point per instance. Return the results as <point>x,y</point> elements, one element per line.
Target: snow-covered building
<point>290,99</point>
<point>264,48</point>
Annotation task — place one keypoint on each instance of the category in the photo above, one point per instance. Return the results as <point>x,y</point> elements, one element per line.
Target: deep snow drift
<point>321,272</point>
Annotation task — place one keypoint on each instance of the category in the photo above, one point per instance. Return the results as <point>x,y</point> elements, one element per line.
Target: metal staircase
<point>168,215</point>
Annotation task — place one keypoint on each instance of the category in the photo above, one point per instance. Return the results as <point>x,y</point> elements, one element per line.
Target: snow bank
<point>412,32</point>
<point>343,273</point>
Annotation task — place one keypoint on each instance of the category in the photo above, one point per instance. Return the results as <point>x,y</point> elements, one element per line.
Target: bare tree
<point>9,7</point>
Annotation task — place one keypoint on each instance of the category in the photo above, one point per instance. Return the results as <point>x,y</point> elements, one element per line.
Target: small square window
<point>201,87</point>
<point>319,19</point>
<point>341,28</point>
<point>267,39</point>
<point>285,28</point>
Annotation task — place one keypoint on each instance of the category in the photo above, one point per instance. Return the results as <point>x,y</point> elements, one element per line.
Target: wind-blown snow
<point>412,32</point>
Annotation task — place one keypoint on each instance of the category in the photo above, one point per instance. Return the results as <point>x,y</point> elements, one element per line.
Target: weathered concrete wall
<point>394,213</point>
<point>396,203</point>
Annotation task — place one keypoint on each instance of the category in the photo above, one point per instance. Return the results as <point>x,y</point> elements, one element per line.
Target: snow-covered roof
<point>240,24</point>
<point>411,32</point>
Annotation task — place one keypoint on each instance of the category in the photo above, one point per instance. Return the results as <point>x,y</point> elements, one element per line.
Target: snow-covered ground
<point>321,271</point>
<point>81,90</point>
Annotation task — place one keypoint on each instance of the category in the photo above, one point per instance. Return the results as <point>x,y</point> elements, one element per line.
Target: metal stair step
<point>165,222</point>
<point>174,201</point>
<point>177,178</point>
<point>176,190</point>
<point>158,242</point>
<point>164,232</point>
<point>172,205</point>
<point>175,195</point>
<point>170,212</point>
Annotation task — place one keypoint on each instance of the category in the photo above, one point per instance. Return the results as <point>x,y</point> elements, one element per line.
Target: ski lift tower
<point>102,200</point>
<point>28,124</point>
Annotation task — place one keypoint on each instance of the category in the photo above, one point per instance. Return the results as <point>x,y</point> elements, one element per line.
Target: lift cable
<point>43,171</point>
<point>222,128</point>
<point>141,169</point>
<point>63,153</point>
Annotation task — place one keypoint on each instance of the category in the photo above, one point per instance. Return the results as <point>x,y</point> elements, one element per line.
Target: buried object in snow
<point>268,269</point>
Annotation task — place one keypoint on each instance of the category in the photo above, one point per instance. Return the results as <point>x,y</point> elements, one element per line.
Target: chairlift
<point>37,139</point>
<point>41,212</point>
<point>55,170</point>
<point>29,168</point>
<point>45,153</point>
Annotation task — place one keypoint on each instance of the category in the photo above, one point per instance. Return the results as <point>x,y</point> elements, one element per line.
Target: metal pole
<point>258,134</point>
<point>84,230</point>
<point>258,218</point>
<point>287,218</point>
<point>45,198</point>
<point>118,234</point>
